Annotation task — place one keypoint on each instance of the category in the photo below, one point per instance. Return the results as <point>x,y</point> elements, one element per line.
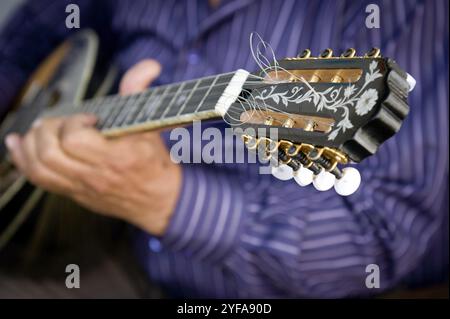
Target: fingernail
<point>10,141</point>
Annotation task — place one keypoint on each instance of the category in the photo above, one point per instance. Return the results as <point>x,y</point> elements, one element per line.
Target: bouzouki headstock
<point>328,111</point>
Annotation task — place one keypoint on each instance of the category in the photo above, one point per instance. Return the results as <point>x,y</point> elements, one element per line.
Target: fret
<point>157,107</point>
<point>125,110</point>
<point>104,108</point>
<point>111,100</point>
<point>141,109</point>
<point>96,105</point>
<point>180,99</point>
<point>207,93</point>
<point>105,122</point>
<point>93,105</point>
<point>160,108</point>
<point>197,98</point>
<point>189,98</point>
<point>217,88</point>
<point>103,111</point>
<point>149,108</point>
<point>208,104</point>
<point>137,107</point>
<point>179,95</point>
<point>111,112</point>
<point>199,95</point>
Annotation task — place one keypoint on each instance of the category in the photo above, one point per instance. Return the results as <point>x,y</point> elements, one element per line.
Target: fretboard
<point>162,106</point>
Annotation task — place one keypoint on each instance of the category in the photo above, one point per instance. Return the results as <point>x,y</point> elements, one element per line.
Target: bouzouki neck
<point>163,106</point>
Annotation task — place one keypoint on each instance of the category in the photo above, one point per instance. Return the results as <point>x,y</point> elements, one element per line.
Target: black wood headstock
<point>327,110</point>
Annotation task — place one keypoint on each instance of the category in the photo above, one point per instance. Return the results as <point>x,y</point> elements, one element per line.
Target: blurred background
<point>6,7</point>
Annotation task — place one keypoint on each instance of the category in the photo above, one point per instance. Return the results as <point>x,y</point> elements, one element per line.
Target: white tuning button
<point>283,172</point>
<point>349,182</point>
<point>411,81</point>
<point>303,176</point>
<point>324,181</point>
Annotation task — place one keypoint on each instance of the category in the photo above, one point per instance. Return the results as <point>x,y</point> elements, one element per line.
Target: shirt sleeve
<point>31,33</point>
<point>275,239</point>
<point>209,214</point>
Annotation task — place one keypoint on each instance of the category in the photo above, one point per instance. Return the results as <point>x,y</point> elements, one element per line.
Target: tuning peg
<point>327,53</point>
<point>349,182</point>
<point>373,53</point>
<point>324,181</point>
<point>349,53</point>
<point>411,81</point>
<point>303,176</point>
<point>283,172</point>
<point>305,54</point>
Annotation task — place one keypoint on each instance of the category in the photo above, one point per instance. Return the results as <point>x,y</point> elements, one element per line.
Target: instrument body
<point>63,77</point>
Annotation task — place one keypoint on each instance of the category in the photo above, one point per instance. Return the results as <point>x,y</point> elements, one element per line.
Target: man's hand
<point>130,177</point>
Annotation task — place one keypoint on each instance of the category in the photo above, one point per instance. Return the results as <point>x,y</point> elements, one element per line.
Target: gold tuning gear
<point>270,146</point>
<point>289,123</point>
<point>335,155</point>
<point>337,78</point>
<point>285,145</point>
<point>314,78</point>
<point>317,153</point>
<point>310,126</point>
<point>268,120</point>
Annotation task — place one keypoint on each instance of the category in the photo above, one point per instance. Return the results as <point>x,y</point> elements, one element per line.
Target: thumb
<point>139,76</point>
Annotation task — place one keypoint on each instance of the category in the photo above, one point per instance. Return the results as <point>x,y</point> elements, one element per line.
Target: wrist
<point>154,217</point>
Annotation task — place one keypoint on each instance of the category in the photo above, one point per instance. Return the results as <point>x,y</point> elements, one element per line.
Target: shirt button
<point>154,245</point>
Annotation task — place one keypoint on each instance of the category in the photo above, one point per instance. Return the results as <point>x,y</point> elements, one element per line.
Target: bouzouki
<point>328,111</point>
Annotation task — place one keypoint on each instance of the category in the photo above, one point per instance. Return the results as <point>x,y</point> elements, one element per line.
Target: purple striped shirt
<point>236,233</point>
